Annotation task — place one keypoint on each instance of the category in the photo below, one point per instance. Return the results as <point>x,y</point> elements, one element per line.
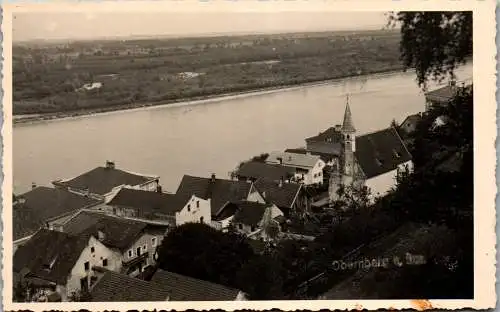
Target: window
<point>253,228</point>
<point>144,248</point>
<point>138,252</point>
<point>189,207</point>
<point>86,266</point>
<point>201,220</point>
<point>92,249</point>
<point>153,242</point>
<point>197,204</point>
<point>130,253</point>
<point>240,226</point>
<point>104,262</point>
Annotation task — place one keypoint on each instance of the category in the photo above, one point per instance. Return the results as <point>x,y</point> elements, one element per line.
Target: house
<point>185,288</point>
<point>218,192</point>
<point>288,197</point>
<point>103,182</point>
<point>328,156</point>
<point>373,159</point>
<point>253,170</point>
<point>410,123</point>
<point>328,142</point>
<point>169,209</point>
<point>308,168</point>
<point>134,243</point>
<point>441,96</point>
<point>44,207</point>
<point>116,287</point>
<point>61,264</point>
<point>250,218</point>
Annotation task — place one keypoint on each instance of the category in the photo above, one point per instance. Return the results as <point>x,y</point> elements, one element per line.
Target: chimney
<point>280,160</point>
<point>33,185</point>
<point>212,178</point>
<point>158,189</point>
<point>110,164</point>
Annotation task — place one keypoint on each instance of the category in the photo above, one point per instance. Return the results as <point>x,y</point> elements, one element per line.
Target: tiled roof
<point>413,119</point>
<point>282,196</point>
<point>219,191</point>
<point>148,202</point>
<point>102,180</point>
<point>115,287</point>
<point>249,213</point>
<point>41,204</point>
<point>325,151</point>
<point>443,94</point>
<point>185,288</point>
<point>292,159</point>
<point>119,233</point>
<point>255,170</point>
<point>380,152</point>
<point>331,135</point>
<point>50,255</point>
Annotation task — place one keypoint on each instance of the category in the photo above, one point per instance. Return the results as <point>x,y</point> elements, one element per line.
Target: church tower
<point>349,147</point>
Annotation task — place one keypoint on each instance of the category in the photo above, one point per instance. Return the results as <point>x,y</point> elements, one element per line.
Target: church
<point>372,159</point>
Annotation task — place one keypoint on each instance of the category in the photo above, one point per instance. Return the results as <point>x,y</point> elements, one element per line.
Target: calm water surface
<point>209,137</point>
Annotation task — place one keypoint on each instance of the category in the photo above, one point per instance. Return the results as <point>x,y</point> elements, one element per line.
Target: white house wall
<point>194,210</point>
<point>381,184</point>
<point>95,259</point>
<point>254,196</point>
<point>145,242</point>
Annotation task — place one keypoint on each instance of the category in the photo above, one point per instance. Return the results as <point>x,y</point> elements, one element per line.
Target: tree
<point>197,250</point>
<point>260,278</point>
<point>434,43</point>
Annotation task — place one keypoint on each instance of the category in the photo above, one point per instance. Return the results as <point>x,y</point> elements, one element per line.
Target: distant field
<point>49,79</point>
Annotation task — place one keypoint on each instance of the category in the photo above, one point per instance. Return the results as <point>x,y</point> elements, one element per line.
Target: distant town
<point>316,213</point>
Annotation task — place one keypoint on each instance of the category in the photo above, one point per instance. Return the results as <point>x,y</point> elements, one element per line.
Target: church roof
<point>380,152</point>
<point>348,125</point>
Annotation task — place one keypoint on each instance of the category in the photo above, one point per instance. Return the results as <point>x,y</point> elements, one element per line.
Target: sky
<point>86,25</point>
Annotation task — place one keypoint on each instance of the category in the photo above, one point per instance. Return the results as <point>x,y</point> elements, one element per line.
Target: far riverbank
<point>251,91</point>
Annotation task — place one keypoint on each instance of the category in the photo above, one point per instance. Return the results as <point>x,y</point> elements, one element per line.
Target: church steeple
<point>348,125</point>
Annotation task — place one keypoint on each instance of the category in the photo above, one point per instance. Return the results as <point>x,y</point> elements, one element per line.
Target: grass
<point>45,79</point>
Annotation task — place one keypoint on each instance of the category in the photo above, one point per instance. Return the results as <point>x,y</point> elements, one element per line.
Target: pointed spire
<point>348,125</point>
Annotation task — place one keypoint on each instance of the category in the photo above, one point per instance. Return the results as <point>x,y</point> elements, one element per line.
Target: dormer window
<point>396,154</point>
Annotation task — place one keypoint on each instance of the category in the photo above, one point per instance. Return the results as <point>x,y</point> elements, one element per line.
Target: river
<point>207,137</point>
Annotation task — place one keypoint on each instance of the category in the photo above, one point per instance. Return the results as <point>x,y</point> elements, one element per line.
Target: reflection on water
<point>208,137</point>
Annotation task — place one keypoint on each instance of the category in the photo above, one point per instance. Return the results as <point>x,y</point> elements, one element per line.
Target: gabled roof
<point>102,180</point>
<point>255,170</point>
<point>283,196</point>
<point>380,152</point>
<point>443,94</point>
<point>42,204</point>
<point>413,119</point>
<point>330,135</point>
<point>148,202</point>
<point>50,255</point>
<point>119,233</point>
<point>219,191</point>
<point>115,287</point>
<point>325,151</point>
<point>293,160</point>
<point>248,213</point>
<point>185,288</point>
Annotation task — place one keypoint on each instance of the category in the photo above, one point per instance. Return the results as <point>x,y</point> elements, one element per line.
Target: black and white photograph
<point>213,156</point>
